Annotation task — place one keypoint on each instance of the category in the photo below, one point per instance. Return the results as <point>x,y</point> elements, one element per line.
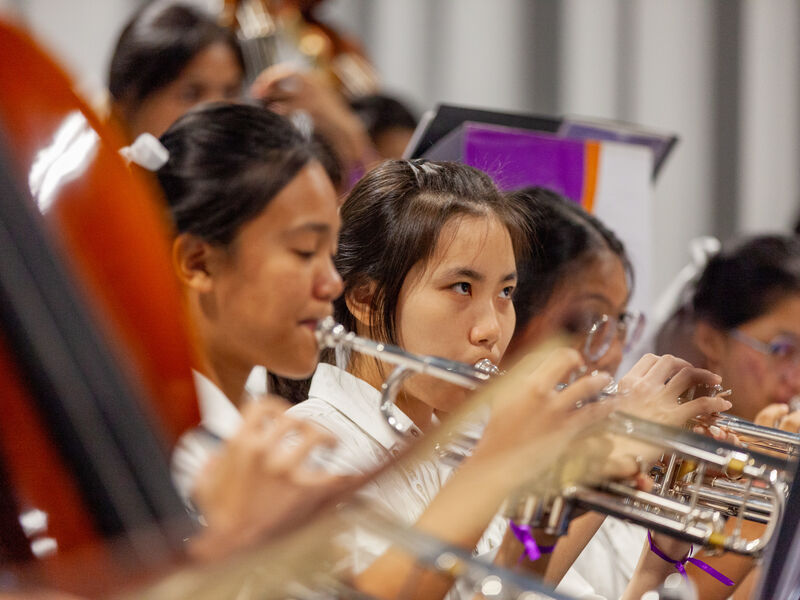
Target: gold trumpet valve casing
<point>686,467</point>
<point>717,540</point>
<point>736,466</point>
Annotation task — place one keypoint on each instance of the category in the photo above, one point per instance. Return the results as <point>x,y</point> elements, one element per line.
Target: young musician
<point>743,321</point>
<point>257,225</point>
<point>256,220</point>
<point>440,282</point>
<point>171,57</point>
<point>579,278</point>
<point>743,318</point>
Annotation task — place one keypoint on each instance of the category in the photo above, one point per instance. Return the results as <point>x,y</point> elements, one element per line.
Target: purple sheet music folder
<point>516,158</point>
<point>609,179</point>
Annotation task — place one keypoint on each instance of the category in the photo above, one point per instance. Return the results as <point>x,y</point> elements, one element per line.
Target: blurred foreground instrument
<point>93,343</point>
<point>311,563</point>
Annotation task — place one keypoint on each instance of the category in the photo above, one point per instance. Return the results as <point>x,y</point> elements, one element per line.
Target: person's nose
<point>328,285</point>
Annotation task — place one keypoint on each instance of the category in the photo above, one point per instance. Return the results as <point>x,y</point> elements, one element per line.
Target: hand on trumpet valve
<point>530,417</point>
<point>268,463</point>
<point>780,416</point>
<point>719,432</point>
<point>653,387</point>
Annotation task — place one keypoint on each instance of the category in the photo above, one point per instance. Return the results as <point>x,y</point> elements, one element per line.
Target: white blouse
<point>348,408</point>
<point>606,565</point>
<point>219,421</point>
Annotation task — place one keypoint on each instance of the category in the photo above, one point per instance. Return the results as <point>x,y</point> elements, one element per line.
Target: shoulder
<point>191,453</point>
<point>355,452</point>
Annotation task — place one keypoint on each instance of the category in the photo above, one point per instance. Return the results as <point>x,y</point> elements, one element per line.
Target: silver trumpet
<point>751,486</point>
<point>758,437</point>
<point>769,440</point>
<point>681,502</point>
<point>331,334</point>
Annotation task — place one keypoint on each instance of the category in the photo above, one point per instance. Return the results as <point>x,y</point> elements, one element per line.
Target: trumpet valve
<point>736,465</point>
<point>559,515</point>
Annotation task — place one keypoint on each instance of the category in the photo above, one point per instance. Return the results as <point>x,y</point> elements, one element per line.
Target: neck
<point>216,361</point>
<point>375,373</point>
<point>228,377</point>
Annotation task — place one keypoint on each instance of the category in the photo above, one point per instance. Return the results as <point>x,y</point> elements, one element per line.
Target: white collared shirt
<point>348,408</point>
<point>220,420</point>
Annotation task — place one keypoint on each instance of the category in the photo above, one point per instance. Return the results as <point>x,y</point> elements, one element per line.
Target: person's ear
<point>359,302</point>
<point>711,343</point>
<point>193,260</point>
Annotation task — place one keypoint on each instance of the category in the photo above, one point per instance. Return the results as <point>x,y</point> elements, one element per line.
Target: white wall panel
<point>769,196</point>
<point>670,87</point>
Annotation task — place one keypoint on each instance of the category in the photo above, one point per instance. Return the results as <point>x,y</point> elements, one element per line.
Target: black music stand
<point>444,119</point>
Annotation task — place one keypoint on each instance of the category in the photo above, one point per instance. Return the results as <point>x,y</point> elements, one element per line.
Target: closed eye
<point>305,254</point>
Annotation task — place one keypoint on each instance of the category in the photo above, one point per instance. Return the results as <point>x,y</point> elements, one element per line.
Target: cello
<point>95,346</point>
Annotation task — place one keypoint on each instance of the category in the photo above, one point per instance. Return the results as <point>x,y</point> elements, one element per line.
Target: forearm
<point>569,546</point>
<point>651,571</point>
<point>458,516</point>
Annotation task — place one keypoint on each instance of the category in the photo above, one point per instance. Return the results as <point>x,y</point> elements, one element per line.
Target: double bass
<point>95,345</point>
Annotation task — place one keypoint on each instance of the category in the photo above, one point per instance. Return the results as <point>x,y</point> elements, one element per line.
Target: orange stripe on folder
<point>592,160</point>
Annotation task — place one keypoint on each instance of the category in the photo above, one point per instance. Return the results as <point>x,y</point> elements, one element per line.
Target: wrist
<point>679,564</point>
<point>534,546</point>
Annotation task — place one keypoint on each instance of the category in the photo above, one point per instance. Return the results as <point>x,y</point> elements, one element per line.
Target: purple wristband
<point>678,564</point>
<point>532,550</point>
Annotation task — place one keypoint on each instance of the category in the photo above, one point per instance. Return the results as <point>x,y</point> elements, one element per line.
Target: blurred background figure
<point>168,59</point>
<point>742,321</point>
<point>172,57</point>
<point>389,122</point>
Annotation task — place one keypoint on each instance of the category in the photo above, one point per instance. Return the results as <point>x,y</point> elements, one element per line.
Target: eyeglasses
<point>627,328</point>
<point>783,349</point>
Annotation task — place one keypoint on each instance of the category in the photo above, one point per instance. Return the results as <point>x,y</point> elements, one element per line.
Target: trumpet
<point>331,334</point>
<point>681,503</point>
<point>307,564</point>
<point>768,440</point>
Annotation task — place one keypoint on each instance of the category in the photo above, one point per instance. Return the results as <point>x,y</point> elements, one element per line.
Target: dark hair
<point>379,113</point>
<point>561,235</point>
<point>157,44</point>
<point>226,162</point>
<point>326,155</point>
<point>392,220</point>
<point>747,279</point>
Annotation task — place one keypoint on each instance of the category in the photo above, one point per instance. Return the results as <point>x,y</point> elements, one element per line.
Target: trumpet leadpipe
<point>331,334</point>
<point>759,437</point>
